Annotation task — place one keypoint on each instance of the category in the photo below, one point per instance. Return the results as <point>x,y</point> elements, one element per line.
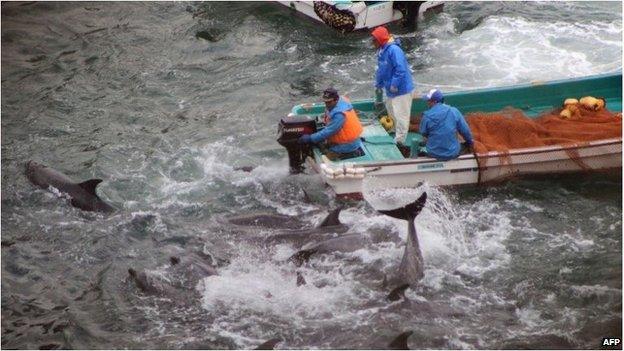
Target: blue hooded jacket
<point>440,125</point>
<point>393,70</point>
<point>337,120</point>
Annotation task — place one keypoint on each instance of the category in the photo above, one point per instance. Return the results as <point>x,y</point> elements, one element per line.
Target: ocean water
<point>164,100</point>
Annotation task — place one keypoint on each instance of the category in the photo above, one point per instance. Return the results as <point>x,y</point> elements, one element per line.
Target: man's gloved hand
<point>305,139</point>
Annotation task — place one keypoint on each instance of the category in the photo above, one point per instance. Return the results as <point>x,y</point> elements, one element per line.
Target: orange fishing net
<point>511,129</point>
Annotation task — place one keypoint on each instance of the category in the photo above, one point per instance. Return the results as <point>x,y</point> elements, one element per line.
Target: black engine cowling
<point>289,129</point>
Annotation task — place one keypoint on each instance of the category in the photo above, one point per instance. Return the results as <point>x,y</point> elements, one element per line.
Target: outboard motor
<point>289,130</point>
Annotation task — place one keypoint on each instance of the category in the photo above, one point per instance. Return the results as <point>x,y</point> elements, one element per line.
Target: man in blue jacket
<point>394,75</point>
<point>440,124</point>
<point>342,128</point>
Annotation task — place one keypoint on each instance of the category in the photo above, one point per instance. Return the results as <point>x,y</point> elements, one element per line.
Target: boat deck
<point>379,145</point>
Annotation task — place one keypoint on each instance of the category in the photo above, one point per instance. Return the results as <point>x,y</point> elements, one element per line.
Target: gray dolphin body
<point>342,243</point>
<point>411,269</point>
<point>290,229</point>
<point>185,270</point>
<point>265,220</point>
<point>83,195</point>
<point>149,284</point>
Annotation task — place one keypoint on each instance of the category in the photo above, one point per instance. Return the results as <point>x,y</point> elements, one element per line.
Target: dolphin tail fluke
<point>400,342</point>
<point>269,345</point>
<point>90,185</point>
<point>398,292</point>
<point>332,218</point>
<point>301,256</point>
<point>408,212</point>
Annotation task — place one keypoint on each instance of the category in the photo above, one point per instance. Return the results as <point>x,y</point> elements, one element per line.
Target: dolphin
<point>264,219</point>
<point>411,269</point>
<point>149,284</point>
<point>83,195</point>
<point>269,345</point>
<point>400,342</point>
<point>280,221</point>
<point>290,228</point>
<point>342,243</point>
<point>188,270</point>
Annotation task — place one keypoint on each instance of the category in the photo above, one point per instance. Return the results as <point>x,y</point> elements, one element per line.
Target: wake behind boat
<point>385,166</point>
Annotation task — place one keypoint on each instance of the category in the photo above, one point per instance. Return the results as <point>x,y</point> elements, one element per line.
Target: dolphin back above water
<point>411,269</point>
<point>83,195</point>
<point>288,228</point>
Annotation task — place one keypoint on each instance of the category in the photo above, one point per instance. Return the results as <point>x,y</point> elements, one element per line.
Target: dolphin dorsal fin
<point>269,345</point>
<point>332,218</point>
<point>400,342</point>
<point>300,279</point>
<point>306,197</point>
<point>407,212</point>
<point>90,185</point>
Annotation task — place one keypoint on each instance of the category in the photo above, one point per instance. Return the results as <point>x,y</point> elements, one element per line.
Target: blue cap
<point>434,95</point>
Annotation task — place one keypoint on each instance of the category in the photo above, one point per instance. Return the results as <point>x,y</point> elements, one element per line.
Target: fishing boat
<point>347,16</point>
<point>383,165</point>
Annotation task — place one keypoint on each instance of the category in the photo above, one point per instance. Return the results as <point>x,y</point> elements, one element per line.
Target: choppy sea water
<point>164,100</point>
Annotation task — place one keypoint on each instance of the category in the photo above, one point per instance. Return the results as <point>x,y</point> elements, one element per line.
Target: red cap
<point>381,34</point>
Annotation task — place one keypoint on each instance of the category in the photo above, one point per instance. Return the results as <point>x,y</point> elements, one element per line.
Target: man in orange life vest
<point>342,128</point>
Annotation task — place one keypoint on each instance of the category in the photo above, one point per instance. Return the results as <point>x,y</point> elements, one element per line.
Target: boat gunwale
<point>491,154</point>
<point>309,106</point>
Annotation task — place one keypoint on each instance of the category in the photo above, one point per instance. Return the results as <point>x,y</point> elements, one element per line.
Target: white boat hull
<point>367,17</point>
<point>465,170</point>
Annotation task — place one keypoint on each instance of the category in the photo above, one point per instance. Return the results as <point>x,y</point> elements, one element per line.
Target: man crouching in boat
<point>342,129</point>
<point>440,124</point>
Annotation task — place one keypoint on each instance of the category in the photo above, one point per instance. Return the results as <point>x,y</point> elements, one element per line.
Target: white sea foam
<point>529,316</point>
<point>253,289</point>
<point>595,291</point>
<point>510,50</point>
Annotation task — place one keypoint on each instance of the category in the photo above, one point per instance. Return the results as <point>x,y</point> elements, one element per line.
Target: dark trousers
<point>334,156</point>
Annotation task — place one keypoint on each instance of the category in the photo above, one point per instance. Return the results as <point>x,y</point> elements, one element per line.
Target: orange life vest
<point>351,129</point>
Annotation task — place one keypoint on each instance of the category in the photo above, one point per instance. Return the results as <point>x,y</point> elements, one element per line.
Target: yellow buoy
<point>386,122</point>
<point>570,101</point>
<point>592,103</point>
<point>565,114</point>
